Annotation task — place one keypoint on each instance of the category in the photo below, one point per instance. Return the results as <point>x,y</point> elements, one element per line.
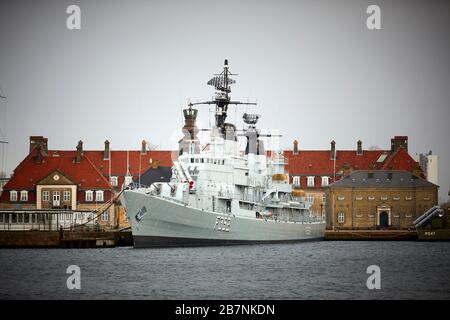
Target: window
<point>324,198</point>
<point>114,181</point>
<point>45,196</point>
<point>371,198</point>
<point>89,195</point>
<point>384,197</point>
<point>128,179</point>
<point>325,181</point>
<point>340,198</point>
<point>66,195</point>
<point>13,195</point>
<point>396,198</point>
<point>341,217</point>
<point>408,198</point>
<point>310,197</point>
<point>310,182</point>
<point>99,195</point>
<point>105,216</point>
<point>359,198</point>
<point>296,181</point>
<point>23,195</point>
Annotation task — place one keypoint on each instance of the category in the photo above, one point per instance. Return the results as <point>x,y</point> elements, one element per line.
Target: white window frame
<point>310,181</point>
<point>325,181</point>
<point>114,180</point>
<point>341,198</point>
<point>341,217</point>
<point>23,196</point>
<point>128,180</point>
<point>46,195</point>
<point>105,215</point>
<point>66,195</point>
<point>13,196</point>
<point>99,196</point>
<point>89,196</point>
<point>310,196</point>
<point>296,180</point>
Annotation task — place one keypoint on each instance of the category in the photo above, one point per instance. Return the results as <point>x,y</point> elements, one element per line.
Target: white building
<point>429,164</point>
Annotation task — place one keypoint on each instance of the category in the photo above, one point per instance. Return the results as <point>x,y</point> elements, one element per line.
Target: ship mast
<point>222,83</point>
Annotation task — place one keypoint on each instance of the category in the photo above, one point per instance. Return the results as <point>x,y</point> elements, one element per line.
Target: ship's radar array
<point>222,83</point>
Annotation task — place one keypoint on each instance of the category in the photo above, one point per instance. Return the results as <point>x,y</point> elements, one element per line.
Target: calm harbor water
<point>313,270</point>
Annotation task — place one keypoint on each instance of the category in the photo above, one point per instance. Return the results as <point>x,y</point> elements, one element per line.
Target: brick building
<point>312,171</point>
<point>77,179</point>
<point>378,199</point>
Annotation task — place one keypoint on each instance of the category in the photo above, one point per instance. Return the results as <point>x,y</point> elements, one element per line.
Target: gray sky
<point>315,69</point>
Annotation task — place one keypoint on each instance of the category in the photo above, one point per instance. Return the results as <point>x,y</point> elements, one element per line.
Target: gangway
<point>428,215</point>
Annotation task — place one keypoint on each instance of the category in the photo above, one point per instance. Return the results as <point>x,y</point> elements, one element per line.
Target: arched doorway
<point>384,219</point>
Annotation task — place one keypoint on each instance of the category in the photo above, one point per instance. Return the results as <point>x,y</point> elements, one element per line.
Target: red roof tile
<point>84,174</point>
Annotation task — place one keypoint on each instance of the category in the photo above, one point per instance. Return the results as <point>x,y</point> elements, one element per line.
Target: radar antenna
<point>222,83</point>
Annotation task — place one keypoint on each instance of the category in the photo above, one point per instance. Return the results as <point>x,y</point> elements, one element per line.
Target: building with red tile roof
<point>311,171</point>
<point>77,179</point>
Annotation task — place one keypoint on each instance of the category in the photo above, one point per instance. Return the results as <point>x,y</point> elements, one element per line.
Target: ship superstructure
<point>218,193</point>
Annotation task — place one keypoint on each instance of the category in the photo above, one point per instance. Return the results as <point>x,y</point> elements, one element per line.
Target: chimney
<point>106,151</point>
<point>399,142</point>
<point>39,154</point>
<point>79,152</point>
<point>295,147</point>
<point>346,169</point>
<point>144,147</point>
<point>39,140</point>
<point>359,150</point>
<point>155,164</point>
<point>333,150</point>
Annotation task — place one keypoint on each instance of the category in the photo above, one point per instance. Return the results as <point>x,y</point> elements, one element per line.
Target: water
<point>314,270</point>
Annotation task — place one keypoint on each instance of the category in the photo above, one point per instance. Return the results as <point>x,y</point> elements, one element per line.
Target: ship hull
<point>157,222</point>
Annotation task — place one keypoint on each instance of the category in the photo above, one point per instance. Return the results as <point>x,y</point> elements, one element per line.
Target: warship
<point>219,194</point>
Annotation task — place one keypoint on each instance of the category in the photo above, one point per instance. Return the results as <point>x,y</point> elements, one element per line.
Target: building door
<point>384,219</point>
<point>56,199</point>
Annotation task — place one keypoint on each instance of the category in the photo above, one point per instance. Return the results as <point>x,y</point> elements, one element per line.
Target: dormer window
<point>128,180</point>
<point>114,181</point>
<point>99,196</point>
<point>23,195</point>
<point>13,195</point>
<point>296,181</point>
<point>325,181</point>
<point>89,196</point>
<point>310,182</point>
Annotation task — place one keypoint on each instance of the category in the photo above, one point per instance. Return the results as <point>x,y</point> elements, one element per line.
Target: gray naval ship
<point>219,194</point>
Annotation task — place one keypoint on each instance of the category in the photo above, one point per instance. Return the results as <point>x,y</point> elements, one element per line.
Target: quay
<point>371,235</point>
<point>65,239</point>
<point>58,229</point>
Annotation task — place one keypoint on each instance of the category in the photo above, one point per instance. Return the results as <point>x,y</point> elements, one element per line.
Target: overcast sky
<point>314,68</point>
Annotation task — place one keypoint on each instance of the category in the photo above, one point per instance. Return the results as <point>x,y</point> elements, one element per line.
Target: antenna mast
<point>222,83</point>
